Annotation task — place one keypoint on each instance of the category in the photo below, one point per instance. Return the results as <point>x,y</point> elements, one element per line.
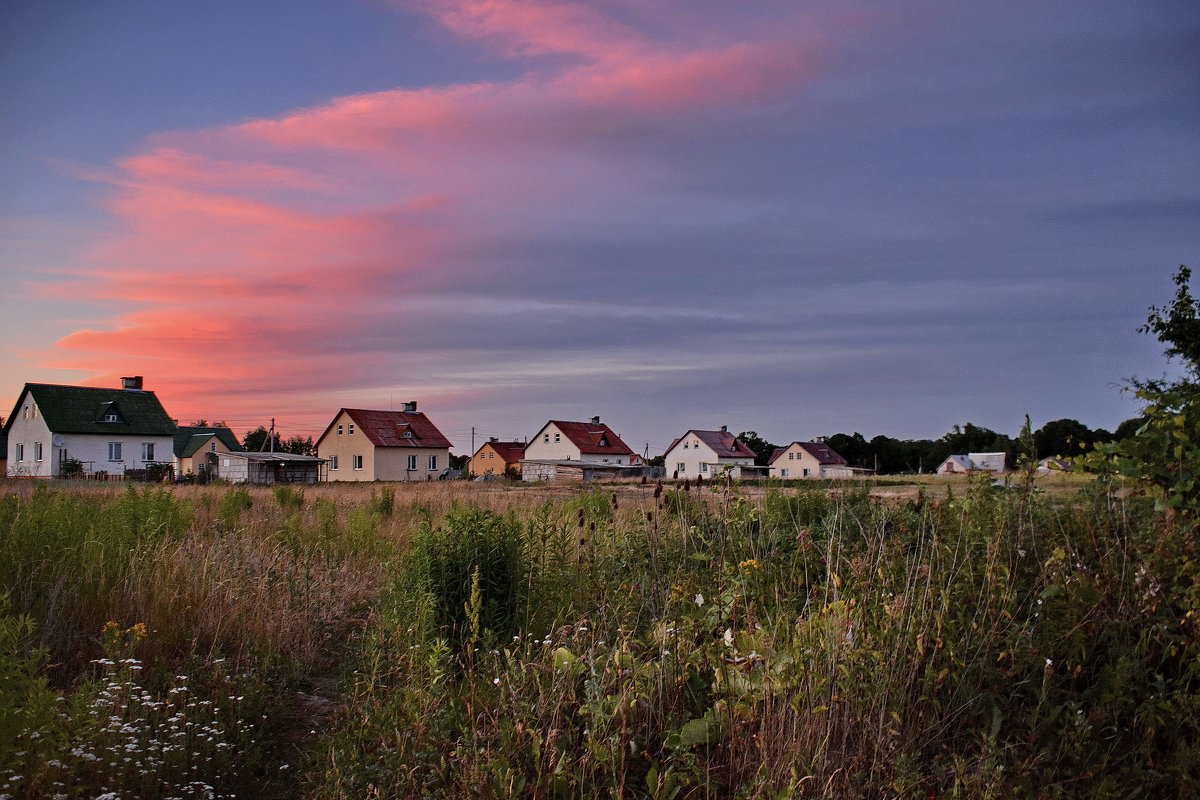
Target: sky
<point>792,217</point>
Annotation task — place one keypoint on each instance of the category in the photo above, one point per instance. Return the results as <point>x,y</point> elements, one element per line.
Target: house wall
<point>344,447</point>
<point>551,444</point>
<point>378,463</point>
<point>198,460</point>
<point>90,449</point>
<point>692,458</point>
<point>489,462</point>
<point>234,470</point>
<point>391,463</point>
<point>796,462</point>
<point>687,456</point>
<point>28,429</point>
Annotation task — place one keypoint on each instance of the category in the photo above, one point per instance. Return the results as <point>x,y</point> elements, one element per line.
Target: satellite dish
<point>58,440</point>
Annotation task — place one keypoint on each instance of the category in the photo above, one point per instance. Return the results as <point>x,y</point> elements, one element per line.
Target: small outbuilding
<point>267,468</point>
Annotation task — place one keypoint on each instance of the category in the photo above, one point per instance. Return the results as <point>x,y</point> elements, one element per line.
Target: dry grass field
<point>911,636</point>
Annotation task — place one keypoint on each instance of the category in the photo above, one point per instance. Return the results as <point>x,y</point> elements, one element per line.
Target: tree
<point>1063,437</point>
<point>1163,455</point>
<point>1178,325</point>
<point>761,447</point>
<point>301,446</point>
<point>258,440</point>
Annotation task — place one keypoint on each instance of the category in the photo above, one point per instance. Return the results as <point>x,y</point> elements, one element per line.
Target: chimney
<point>410,406</point>
<point>493,439</point>
<point>133,384</point>
<point>724,429</point>
<point>595,420</point>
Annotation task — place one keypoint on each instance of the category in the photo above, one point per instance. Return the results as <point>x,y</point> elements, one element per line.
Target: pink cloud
<point>262,254</point>
<point>530,27</point>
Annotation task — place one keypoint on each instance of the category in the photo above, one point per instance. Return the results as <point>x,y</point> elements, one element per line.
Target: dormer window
<point>112,416</point>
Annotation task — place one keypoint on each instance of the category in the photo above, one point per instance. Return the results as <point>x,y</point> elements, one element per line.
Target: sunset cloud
<point>268,252</point>
<point>528,207</point>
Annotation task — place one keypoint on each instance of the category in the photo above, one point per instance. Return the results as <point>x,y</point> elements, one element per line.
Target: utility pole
<point>271,435</point>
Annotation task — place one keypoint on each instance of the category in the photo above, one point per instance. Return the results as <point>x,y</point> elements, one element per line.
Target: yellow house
<point>364,445</point>
<point>494,456</point>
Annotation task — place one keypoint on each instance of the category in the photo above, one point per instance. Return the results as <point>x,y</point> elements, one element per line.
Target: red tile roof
<point>823,453</point>
<point>593,438</point>
<point>396,428</point>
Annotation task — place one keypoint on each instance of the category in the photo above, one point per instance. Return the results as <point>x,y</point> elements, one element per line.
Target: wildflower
<point>699,599</point>
<point>749,563</point>
<point>496,681</point>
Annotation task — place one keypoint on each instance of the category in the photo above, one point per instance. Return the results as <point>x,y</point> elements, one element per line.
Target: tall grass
<point>634,641</point>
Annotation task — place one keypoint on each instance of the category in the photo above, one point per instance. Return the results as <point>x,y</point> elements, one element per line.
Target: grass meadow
<point>909,639</point>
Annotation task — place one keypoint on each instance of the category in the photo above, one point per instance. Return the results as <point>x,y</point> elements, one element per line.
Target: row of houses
<point>57,430</point>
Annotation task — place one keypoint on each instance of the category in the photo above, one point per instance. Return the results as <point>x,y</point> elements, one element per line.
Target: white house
<point>707,454</point>
<point>93,430</point>
<point>972,462</point>
<point>808,460</point>
<point>573,445</point>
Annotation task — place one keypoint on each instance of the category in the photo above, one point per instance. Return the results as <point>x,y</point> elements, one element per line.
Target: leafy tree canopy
<point>761,447</point>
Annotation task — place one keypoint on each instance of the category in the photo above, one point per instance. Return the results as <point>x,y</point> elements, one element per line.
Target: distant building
<point>707,454</point>
<point>196,448</point>
<point>1054,464</point>
<point>563,448</point>
<point>91,430</point>
<point>808,460</point>
<point>973,462</point>
<point>363,445</point>
<point>494,456</point>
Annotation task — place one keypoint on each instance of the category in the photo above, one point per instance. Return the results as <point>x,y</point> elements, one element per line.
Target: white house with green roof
<point>105,430</point>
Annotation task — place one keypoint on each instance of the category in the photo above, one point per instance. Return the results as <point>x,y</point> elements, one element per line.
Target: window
<point>806,473</point>
<point>26,412</point>
<point>114,451</point>
<point>35,410</point>
<point>20,451</point>
<point>350,429</point>
<point>681,467</point>
<point>339,430</point>
<point>783,472</point>
<point>546,438</point>
<point>412,462</point>
<point>147,451</point>
<point>433,462</point>
<point>491,454</point>
<point>37,449</point>
<point>685,445</point>
<point>112,416</point>
<point>212,446</point>
<point>791,456</point>
<point>356,462</point>
<point>704,466</point>
<point>333,462</point>
<point>557,438</point>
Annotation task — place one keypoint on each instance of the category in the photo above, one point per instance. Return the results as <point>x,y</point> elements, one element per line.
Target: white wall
<point>28,430</point>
